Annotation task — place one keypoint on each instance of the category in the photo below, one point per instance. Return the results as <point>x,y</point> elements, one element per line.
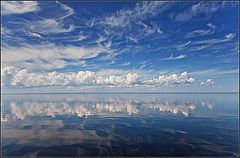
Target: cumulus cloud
<point>171,80</point>
<point>208,82</point>
<point>22,78</point>
<point>18,7</point>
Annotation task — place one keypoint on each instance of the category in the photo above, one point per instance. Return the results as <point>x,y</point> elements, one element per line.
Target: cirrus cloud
<point>197,9</point>
<point>181,56</point>
<point>196,33</point>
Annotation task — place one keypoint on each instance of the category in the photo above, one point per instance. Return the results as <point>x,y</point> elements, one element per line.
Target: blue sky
<point>116,46</point>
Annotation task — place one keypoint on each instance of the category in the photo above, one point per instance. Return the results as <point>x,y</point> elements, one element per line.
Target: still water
<point>120,125</point>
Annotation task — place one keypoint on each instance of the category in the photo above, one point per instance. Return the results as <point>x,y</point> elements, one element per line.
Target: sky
<point>119,46</point>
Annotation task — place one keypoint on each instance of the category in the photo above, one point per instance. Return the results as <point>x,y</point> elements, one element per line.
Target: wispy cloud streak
<point>18,7</point>
<point>182,56</point>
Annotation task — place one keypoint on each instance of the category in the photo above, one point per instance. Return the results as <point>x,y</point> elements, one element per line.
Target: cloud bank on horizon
<point>149,45</point>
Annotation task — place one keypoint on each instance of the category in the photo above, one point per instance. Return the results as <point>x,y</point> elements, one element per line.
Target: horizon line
<point>119,93</point>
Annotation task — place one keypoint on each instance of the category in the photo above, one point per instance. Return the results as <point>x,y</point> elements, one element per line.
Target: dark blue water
<point>120,125</point>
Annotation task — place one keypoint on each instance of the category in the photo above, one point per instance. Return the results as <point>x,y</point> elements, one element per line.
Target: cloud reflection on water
<point>20,110</point>
<point>115,125</point>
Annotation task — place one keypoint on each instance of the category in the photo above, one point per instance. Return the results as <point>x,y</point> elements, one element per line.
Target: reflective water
<point>120,124</point>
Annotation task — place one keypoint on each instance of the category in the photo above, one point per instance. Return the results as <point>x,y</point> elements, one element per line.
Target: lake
<point>120,125</point>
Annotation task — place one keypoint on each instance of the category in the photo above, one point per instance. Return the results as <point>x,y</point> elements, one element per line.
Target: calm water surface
<point>120,125</point>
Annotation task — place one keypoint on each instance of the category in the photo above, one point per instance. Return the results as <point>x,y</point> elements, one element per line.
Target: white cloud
<point>23,78</point>
<point>116,80</point>
<point>213,27</point>
<point>230,36</point>
<point>128,23</point>
<point>47,56</point>
<point>171,80</point>
<point>185,44</point>
<point>144,64</point>
<point>18,7</point>
<point>104,41</point>
<point>41,25</point>
<point>12,77</point>
<point>118,72</point>
<point>35,35</point>
<point>80,37</point>
<point>182,56</point>
<point>47,26</point>
<point>68,11</point>
<point>182,46</point>
<point>197,33</point>
<point>208,82</point>
<point>203,44</point>
<point>197,9</point>
<point>126,16</point>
